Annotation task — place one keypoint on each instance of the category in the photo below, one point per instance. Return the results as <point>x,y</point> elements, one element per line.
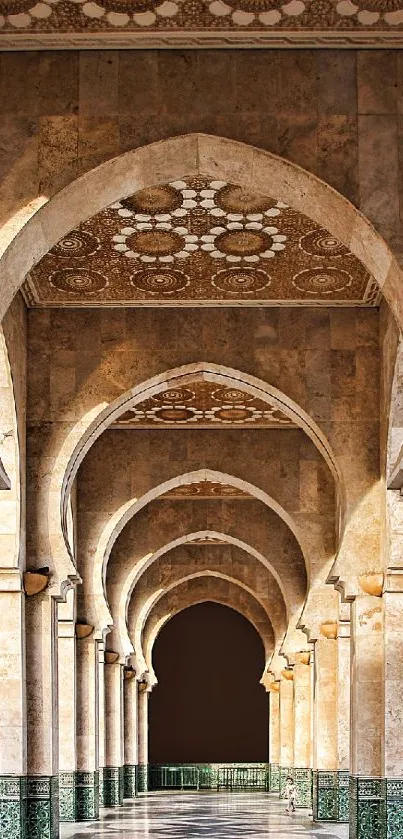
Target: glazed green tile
<point>101,786</point>
<point>285,772</point>
<point>67,797</point>
<point>87,796</point>
<point>343,797</point>
<point>13,801</point>
<point>303,783</point>
<point>129,781</point>
<point>142,778</point>
<point>274,783</point>
<point>325,796</point>
<point>394,808</point>
<point>42,807</point>
<point>368,808</point>
<point>112,786</point>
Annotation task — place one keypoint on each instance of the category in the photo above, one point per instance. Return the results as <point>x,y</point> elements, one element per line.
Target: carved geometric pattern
<point>67,797</point>
<point>394,807</point>
<point>203,404</point>
<point>13,806</point>
<point>274,777</point>
<point>303,783</point>
<point>43,807</point>
<point>325,796</point>
<point>337,18</point>
<point>199,241</point>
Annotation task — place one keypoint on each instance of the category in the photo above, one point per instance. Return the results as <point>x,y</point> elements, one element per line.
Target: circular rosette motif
<point>160,281</point>
<point>174,414</point>
<point>177,394</point>
<point>155,201</point>
<point>160,242</point>
<point>241,280</point>
<point>77,244</point>
<point>268,12</point>
<point>232,395</point>
<point>371,11</point>
<point>237,203</point>
<point>248,242</point>
<point>22,13</point>
<point>322,281</point>
<point>76,280</point>
<point>119,13</point>
<point>322,243</point>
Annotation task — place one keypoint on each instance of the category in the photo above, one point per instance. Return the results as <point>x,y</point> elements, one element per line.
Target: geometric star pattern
<point>206,405</point>
<point>199,241</point>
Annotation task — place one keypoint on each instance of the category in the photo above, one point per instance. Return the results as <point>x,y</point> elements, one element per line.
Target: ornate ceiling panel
<point>199,242</point>
<point>203,404</point>
<point>29,24</point>
<point>206,489</point>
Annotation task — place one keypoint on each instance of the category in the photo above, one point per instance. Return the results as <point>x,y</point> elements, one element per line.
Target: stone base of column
<point>113,786</point>
<point>285,772</point>
<point>368,808</point>
<point>42,807</point>
<point>13,807</point>
<point>129,781</point>
<point>303,782</point>
<point>87,796</point>
<point>67,796</point>
<point>274,777</point>
<point>142,777</point>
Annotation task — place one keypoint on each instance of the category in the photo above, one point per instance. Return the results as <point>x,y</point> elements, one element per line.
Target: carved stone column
<point>302,731</point>
<point>393,750</point>
<point>87,778</point>
<point>274,736</point>
<point>130,734</point>
<point>113,771</point>
<point>13,731</point>
<point>42,717</point>
<point>286,727</point>
<point>367,787</point>
<point>143,694</point>
<point>325,721</point>
<point>343,711</point>
<point>101,720</point>
<point>67,709</point>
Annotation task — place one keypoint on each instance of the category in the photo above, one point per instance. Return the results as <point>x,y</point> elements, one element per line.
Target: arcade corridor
<point>207,815</point>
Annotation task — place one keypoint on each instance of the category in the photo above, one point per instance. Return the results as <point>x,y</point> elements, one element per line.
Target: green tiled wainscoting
<point>67,796</point>
<point>228,777</point>
<point>330,793</point>
<point>368,808</point>
<point>87,796</point>
<point>112,786</point>
<point>129,781</point>
<point>394,808</point>
<point>101,786</point>
<point>13,806</point>
<point>285,771</point>
<point>142,777</point>
<point>274,777</point>
<point>303,783</point>
<point>42,807</point>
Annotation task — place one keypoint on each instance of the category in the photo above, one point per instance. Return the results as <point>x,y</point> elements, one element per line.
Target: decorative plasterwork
<point>206,489</point>
<point>199,242</point>
<point>26,24</point>
<point>206,405</point>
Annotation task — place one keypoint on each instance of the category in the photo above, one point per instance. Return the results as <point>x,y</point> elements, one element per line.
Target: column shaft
<point>286,730</point>
<point>143,695</point>
<point>113,772</point>
<point>67,717</point>
<point>87,779</point>
<point>343,717</point>
<point>274,737</point>
<point>101,720</point>
<point>393,749</point>
<point>302,733</point>
<point>325,731</point>
<point>130,734</point>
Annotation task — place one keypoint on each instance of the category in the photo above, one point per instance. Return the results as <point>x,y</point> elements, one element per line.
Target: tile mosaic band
<point>274,783</point>
<point>42,807</point>
<point>112,786</point>
<point>129,781</point>
<point>87,796</point>
<point>13,807</point>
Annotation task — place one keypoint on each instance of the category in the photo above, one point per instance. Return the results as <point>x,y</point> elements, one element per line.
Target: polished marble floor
<point>196,815</point>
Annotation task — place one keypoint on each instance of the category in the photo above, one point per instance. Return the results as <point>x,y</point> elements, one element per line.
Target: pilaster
<point>130,734</point>
<point>302,733</point>
<point>67,709</point>
<point>286,727</point>
<point>87,776</point>
<point>274,736</point>
<point>142,774</point>
<point>325,743</point>
<point>113,770</point>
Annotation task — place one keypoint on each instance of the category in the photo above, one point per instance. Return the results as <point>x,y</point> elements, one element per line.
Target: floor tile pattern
<point>188,815</point>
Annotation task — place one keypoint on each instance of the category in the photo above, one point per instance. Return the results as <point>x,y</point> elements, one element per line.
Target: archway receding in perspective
<point>208,706</point>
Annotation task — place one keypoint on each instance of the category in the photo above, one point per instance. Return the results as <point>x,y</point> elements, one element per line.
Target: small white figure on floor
<point>291,795</point>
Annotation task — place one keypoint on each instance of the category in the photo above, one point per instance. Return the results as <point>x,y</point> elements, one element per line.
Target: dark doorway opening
<point>208,706</point>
